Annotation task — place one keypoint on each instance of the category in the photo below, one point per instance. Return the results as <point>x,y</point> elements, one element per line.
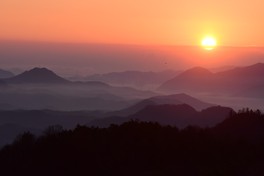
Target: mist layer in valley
<point>96,88</point>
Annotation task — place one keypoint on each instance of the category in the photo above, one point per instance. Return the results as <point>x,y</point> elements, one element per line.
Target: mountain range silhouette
<point>173,99</point>
<point>180,115</point>
<point>242,81</point>
<point>37,75</point>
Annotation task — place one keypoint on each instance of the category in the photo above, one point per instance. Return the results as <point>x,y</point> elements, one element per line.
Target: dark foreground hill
<point>141,148</point>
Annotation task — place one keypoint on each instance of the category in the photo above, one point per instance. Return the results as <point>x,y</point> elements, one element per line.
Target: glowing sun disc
<point>209,43</point>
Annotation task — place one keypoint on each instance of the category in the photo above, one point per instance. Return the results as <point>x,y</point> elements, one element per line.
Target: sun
<point>209,43</point>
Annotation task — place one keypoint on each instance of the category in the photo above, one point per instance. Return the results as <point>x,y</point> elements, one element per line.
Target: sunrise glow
<point>132,22</point>
<point>209,43</point>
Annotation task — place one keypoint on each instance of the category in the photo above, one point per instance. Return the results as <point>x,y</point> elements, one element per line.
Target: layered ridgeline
<point>13,122</point>
<point>42,76</point>
<point>178,110</point>
<point>242,81</point>
<point>173,106</point>
<point>40,88</point>
<point>167,110</point>
<point>181,115</point>
<point>137,79</point>
<point>174,99</point>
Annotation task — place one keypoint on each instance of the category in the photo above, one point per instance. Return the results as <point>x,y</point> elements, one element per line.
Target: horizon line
<point>121,44</point>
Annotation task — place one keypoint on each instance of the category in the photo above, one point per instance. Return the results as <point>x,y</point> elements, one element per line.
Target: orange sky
<point>182,22</point>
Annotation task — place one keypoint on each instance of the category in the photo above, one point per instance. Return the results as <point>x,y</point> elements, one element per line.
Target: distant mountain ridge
<point>180,115</point>
<point>242,81</point>
<point>181,98</point>
<point>174,99</point>
<point>196,72</point>
<point>176,109</point>
<point>41,88</point>
<point>183,115</point>
<point>131,78</point>
<point>37,75</point>
<point>46,76</point>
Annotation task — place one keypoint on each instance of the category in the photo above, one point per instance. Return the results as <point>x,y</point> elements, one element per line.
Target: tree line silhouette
<point>233,147</point>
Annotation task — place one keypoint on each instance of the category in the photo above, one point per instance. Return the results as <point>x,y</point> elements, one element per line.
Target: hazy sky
<point>177,22</point>
<point>83,59</point>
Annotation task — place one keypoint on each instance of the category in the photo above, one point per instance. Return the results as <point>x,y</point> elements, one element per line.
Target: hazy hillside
<point>5,74</point>
<point>174,99</point>
<point>3,83</point>
<point>181,98</point>
<point>244,81</point>
<point>37,75</point>
<point>138,79</point>
<point>180,115</point>
<point>15,122</point>
<point>41,119</point>
<point>40,88</point>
